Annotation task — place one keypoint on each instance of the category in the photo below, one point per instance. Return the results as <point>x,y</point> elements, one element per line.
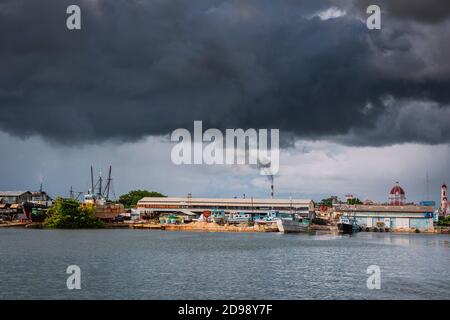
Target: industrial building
<point>15,197</point>
<point>397,218</point>
<point>152,206</point>
<point>397,215</point>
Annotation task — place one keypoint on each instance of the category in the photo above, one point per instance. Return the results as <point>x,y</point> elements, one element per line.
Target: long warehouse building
<point>189,205</point>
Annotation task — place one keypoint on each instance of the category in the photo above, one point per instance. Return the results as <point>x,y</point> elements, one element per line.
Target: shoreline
<point>214,227</point>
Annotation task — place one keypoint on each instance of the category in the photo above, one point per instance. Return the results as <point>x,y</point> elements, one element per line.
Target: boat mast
<point>108,185</point>
<point>100,185</point>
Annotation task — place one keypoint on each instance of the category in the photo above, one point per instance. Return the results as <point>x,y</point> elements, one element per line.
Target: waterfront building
<point>11,204</point>
<point>155,206</point>
<point>15,197</point>
<point>395,217</point>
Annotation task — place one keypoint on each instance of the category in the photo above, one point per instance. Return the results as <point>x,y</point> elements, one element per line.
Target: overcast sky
<point>357,109</point>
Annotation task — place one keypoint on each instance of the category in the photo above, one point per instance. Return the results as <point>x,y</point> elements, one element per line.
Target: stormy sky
<point>138,69</point>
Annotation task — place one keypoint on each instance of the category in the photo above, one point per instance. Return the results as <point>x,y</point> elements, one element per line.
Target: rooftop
<point>246,201</point>
<point>12,193</point>
<point>386,208</point>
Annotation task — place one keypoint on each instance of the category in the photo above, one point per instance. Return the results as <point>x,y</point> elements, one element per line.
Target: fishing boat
<point>270,217</point>
<point>218,216</point>
<point>292,223</point>
<point>239,218</point>
<point>170,219</point>
<point>347,225</point>
<point>36,208</point>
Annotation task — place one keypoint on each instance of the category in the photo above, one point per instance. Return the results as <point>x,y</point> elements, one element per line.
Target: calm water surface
<point>132,264</point>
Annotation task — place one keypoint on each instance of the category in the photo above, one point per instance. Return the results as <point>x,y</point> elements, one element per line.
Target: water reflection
<point>130,264</point>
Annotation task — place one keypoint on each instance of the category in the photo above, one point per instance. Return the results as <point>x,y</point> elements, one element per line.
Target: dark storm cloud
<point>141,68</point>
<point>425,11</point>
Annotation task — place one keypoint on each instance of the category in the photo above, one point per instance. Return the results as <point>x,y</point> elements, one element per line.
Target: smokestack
<point>271,187</point>
<point>266,168</point>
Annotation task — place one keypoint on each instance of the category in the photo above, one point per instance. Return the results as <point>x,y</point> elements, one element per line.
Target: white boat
<point>239,218</point>
<point>293,224</point>
<point>270,217</point>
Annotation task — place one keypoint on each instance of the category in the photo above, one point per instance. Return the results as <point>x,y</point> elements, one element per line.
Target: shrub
<point>70,214</point>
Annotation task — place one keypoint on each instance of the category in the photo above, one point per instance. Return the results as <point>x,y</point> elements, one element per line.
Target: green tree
<point>70,214</point>
<point>131,198</point>
<point>354,201</point>
<point>444,221</point>
<point>326,202</point>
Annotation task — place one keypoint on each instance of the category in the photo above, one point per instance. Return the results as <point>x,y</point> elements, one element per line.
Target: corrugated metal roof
<point>220,201</point>
<point>12,193</point>
<point>385,208</point>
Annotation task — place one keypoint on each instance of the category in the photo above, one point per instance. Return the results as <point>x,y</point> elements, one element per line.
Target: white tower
<point>444,198</point>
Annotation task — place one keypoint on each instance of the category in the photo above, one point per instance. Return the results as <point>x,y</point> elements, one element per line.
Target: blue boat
<point>218,216</point>
<point>270,217</point>
<point>239,217</point>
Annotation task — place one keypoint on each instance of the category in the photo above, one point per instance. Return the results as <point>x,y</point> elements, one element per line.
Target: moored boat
<point>218,216</point>
<point>347,225</point>
<point>239,218</point>
<point>270,217</point>
<point>293,224</point>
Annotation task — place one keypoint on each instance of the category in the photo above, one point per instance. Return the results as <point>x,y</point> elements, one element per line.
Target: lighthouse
<point>445,206</point>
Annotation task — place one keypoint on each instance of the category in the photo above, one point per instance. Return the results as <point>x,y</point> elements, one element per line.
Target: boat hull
<point>291,226</point>
<point>346,228</point>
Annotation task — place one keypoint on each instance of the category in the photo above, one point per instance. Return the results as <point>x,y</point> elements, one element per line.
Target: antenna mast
<point>92,180</point>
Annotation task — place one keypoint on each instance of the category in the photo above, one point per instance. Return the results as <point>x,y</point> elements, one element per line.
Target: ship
<point>293,223</point>
<point>347,225</point>
<point>36,209</point>
<point>98,196</point>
